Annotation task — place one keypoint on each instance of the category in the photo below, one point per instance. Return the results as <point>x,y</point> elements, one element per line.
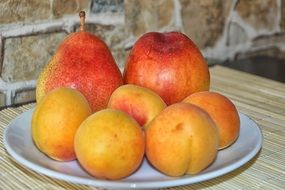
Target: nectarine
<point>170,64</point>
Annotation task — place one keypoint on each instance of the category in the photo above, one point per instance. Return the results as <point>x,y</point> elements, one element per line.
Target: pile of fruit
<point>160,108</point>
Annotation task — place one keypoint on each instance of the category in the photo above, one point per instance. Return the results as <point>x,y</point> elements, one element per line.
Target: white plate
<point>18,142</point>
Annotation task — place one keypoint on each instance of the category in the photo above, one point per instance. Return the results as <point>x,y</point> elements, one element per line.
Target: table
<point>261,99</point>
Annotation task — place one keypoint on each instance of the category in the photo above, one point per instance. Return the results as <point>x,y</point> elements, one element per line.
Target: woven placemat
<point>261,99</point>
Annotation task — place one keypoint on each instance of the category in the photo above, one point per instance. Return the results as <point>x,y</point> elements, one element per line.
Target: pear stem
<point>82,20</point>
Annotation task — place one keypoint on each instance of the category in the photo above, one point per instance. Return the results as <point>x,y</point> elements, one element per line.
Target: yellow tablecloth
<point>261,99</point>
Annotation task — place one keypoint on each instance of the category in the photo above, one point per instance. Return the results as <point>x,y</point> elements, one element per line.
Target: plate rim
<point>101,183</point>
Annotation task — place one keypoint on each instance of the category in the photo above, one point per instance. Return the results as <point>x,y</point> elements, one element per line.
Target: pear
<point>84,62</point>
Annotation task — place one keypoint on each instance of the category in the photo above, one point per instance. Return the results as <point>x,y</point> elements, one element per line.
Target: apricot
<point>110,144</point>
<point>222,111</point>
<point>141,103</point>
<point>55,121</point>
<point>182,139</point>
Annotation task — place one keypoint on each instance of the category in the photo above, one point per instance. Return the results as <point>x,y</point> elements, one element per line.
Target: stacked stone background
<point>30,31</point>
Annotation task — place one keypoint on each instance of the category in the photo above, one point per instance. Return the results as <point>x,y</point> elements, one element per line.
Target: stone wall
<point>30,31</point>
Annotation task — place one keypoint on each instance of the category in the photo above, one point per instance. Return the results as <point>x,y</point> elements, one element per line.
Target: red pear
<point>83,62</point>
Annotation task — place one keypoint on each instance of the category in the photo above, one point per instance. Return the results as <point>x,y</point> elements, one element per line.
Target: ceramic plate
<point>19,144</point>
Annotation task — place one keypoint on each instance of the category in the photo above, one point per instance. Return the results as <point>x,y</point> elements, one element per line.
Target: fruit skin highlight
<point>222,111</point>
<point>170,64</point>
<point>83,62</point>
<point>182,139</point>
<point>55,121</point>
<point>141,103</point>
<point>110,144</point>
